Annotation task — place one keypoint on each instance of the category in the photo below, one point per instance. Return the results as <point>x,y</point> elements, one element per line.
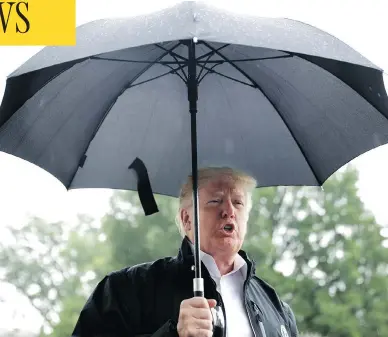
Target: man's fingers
<point>212,303</point>
<point>201,333</point>
<point>200,313</point>
<point>203,324</point>
<point>195,317</point>
<point>198,302</point>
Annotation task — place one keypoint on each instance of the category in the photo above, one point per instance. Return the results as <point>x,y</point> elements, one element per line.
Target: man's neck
<point>225,264</point>
<point>224,268</point>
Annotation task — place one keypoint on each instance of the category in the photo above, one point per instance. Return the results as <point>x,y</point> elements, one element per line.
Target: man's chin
<point>228,243</point>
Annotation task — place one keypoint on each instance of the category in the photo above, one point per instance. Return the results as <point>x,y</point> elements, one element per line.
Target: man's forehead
<point>223,184</point>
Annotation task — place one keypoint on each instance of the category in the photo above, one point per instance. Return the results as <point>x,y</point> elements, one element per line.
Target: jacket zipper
<point>259,321</point>
<point>262,329</point>
<point>250,321</point>
<point>247,309</point>
<point>261,325</point>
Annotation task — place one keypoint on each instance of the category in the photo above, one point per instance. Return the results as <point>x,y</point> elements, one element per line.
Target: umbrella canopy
<point>277,98</point>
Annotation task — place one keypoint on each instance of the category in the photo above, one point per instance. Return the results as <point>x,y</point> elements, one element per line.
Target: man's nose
<point>227,209</point>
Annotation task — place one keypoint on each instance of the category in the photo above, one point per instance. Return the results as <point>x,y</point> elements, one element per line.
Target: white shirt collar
<point>208,260</point>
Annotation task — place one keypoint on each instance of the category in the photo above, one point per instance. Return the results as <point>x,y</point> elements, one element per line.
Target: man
<point>156,298</point>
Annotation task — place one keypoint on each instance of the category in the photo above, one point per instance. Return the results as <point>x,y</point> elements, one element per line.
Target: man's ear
<point>185,218</point>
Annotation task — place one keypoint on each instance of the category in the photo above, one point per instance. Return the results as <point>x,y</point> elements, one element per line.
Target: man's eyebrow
<point>240,194</point>
<point>234,193</point>
<point>216,192</point>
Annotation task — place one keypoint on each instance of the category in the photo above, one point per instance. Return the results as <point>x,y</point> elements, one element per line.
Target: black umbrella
<point>276,98</point>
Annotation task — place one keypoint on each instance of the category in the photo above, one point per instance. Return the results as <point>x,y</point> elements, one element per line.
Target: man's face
<point>223,217</point>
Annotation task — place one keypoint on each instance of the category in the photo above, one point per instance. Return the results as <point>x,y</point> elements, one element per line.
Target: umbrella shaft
<point>194,166</point>
<point>192,87</point>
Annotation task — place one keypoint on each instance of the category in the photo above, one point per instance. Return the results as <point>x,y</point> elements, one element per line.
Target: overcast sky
<point>25,189</point>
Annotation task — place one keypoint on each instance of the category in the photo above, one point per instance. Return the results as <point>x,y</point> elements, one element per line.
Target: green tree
<point>322,250</point>
<point>55,266</point>
<point>134,237</point>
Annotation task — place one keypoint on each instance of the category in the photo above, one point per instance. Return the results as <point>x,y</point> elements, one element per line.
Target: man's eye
<point>214,200</point>
<point>239,202</point>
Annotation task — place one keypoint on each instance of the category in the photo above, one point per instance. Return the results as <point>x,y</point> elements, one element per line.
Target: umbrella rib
<point>219,62</point>
<point>202,68</point>
<point>172,53</point>
<point>82,64</point>
<point>175,71</point>
<point>211,53</point>
<point>247,60</point>
<point>83,158</point>
<point>165,63</point>
<point>172,71</point>
<point>175,56</point>
<point>272,103</point>
<point>137,61</point>
<point>210,70</point>
<point>305,58</point>
<point>208,55</point>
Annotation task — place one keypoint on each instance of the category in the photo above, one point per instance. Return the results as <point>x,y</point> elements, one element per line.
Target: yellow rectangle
<point>37,22</point>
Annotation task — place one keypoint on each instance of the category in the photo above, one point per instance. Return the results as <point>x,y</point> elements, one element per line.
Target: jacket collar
<point>186,256</point>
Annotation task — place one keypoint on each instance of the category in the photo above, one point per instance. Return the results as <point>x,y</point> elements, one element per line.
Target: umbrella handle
<point>198,287</point>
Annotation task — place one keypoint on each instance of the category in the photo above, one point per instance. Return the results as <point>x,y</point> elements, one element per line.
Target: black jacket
<point>144,300</point>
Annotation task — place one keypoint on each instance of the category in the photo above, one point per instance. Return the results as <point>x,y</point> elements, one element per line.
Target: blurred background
<point>324,250</point>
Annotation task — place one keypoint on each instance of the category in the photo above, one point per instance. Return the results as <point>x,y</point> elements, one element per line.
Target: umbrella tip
<point>195,39</point>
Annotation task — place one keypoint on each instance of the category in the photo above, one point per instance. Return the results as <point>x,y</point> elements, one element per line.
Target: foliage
<point>321,250</point>
<point>54,266</point>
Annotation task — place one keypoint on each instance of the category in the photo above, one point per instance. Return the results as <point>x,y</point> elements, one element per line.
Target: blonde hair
<point>247,182</point>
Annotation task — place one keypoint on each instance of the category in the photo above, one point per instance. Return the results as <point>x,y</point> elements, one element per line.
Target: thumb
<point>212,303</point>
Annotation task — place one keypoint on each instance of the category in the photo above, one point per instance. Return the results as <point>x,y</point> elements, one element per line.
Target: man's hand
<point>195,318</point>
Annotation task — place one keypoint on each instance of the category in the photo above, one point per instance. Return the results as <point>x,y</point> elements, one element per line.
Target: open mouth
<point>229,228</point>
